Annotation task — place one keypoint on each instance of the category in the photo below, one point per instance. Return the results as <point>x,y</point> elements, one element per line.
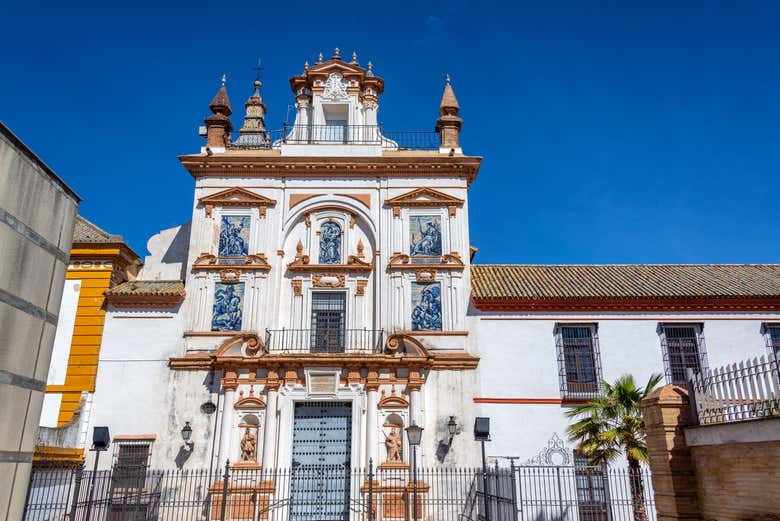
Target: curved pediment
<point>393,400</point>
<point>250,401</point>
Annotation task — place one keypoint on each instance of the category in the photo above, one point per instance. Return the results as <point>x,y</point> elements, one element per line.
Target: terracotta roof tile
<point>85,231</point>
<point>520,281</point>
<point>148,287</point>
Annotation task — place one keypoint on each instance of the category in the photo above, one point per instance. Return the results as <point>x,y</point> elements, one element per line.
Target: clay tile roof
<point>85,231</point>
<point>521,282</point>
<point>146,294</point>
<point>148,287</point>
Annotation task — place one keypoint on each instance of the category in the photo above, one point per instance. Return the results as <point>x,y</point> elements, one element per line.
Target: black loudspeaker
<point>482,429</point>
<point>100,438</point>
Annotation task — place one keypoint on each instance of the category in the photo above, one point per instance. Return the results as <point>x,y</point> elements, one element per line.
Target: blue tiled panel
<point>426,306</point>
<point>234,236</point>
<point>228,300</point>
<point>425,235</point>
<point>330,243</point>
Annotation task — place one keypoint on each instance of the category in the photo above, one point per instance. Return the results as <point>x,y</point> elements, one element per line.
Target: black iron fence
<point>324,340</point>
<point>340,494</point>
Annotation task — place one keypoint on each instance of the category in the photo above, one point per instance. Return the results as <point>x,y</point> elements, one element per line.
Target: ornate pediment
<point>393,400</point>
<point>243,345</point>
<point>255,261</point>
<point>236,197</point>
<point>427,269</point>
<point>250,401</point>
<point>423,198</point>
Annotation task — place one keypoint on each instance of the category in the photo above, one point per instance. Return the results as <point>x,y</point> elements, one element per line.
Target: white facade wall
<point>519,363</point>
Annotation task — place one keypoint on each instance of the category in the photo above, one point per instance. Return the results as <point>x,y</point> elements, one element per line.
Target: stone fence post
<point>666,411</point>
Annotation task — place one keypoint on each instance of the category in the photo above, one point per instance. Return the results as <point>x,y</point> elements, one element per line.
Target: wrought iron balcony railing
<point>346,341</point>
<point>336,135</point>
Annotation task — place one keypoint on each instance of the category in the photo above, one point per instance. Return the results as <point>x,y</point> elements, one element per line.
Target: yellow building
<point>98,261</point>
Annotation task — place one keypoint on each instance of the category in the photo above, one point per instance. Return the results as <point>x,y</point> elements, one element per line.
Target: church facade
<point>323,298</point>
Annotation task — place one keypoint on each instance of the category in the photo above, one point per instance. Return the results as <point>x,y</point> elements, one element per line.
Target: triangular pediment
<point>424,197</point>
<point>236,197</point>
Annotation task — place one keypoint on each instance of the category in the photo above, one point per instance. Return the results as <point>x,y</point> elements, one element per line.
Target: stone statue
<point>248,446</point>
<point>394,444</point>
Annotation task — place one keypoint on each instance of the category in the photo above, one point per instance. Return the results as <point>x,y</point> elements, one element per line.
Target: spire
<point>449,124</point>
<point>218,125</point>
<point>253,131</point>
<point>221,104</point>
<point>449,104</point>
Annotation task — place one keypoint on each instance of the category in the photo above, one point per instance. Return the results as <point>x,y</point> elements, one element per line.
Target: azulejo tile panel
<point>330,243</point>
<point>425,235</point>
<point>426,306</point>
<point>228,298</point>
<point>234,236</point>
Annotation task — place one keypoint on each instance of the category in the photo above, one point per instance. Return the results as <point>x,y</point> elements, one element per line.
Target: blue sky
<point>611,131</point>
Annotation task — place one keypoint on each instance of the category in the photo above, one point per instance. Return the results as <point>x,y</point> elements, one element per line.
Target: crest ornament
<point>554,454</point>
<point>335,87</point>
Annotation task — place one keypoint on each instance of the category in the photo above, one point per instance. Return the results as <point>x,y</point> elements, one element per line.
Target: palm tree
<point>610,426</point>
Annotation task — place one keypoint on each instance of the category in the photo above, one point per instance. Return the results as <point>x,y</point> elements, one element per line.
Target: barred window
<point>131,460</point>
<point>579,363</point>
<point>772,335</point>
<point>592,489</point>
<point>683,347</point>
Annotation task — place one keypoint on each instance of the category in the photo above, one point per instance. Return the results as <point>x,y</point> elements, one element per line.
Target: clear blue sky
<point>611,131</point>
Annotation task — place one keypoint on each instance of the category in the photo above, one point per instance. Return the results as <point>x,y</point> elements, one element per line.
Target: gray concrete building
<point>37,212</point>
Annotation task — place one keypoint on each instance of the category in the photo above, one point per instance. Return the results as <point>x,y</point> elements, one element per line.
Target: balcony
<point>370,135</point>
<point>329,341</point>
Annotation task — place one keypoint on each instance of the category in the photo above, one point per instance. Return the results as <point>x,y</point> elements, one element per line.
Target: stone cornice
<point>225,165</point>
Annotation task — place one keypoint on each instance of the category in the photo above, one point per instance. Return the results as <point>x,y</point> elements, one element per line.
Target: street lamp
<point>482,434</point>
<point>414,435</point>
<point>186,434</point>
<point>100,442</point>
<point>452,427</point>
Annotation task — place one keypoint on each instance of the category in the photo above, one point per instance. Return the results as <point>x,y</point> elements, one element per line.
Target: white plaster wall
<point>518,360</point>
<point>62,338</point>
<point>136,393</point>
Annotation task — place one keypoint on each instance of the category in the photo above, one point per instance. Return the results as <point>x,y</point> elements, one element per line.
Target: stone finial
<point>354,57</point>
<point>449,124</point>
<point>319,58</point>
<point>336,54</point>
<point>370,71</point>
<point>306,65</point>
<point>218,125</point>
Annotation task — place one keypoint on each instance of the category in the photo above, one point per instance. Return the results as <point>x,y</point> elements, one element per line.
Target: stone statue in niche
<point>425,235</point>
<point>248,446</point>
<point>393,443</point>
<point>227,307</point>
<point>330,243</point>
<point>426,302</point>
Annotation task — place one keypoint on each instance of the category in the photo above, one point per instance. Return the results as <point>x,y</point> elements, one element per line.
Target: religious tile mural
<point>426,306</point>
<point>227,306</point>
<point>330,243</point>
<point>234,236</point>
<point>425,235</point>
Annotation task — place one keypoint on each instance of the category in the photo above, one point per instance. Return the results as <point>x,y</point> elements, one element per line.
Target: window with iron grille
<point>328,321</point>
<point>131,460</point>
<point>579,360</point>
<point>772,335</point>
<point>592,489</point>
<point>683,349</point>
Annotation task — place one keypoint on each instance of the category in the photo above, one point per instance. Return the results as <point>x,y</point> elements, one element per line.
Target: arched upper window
<point>330,243</point>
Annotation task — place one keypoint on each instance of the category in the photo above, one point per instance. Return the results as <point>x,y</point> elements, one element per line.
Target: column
<point>372,386</point>
<point>229,385</point>
<point>666,412</point>
<point>414,385</point>
<point>269,438</point>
